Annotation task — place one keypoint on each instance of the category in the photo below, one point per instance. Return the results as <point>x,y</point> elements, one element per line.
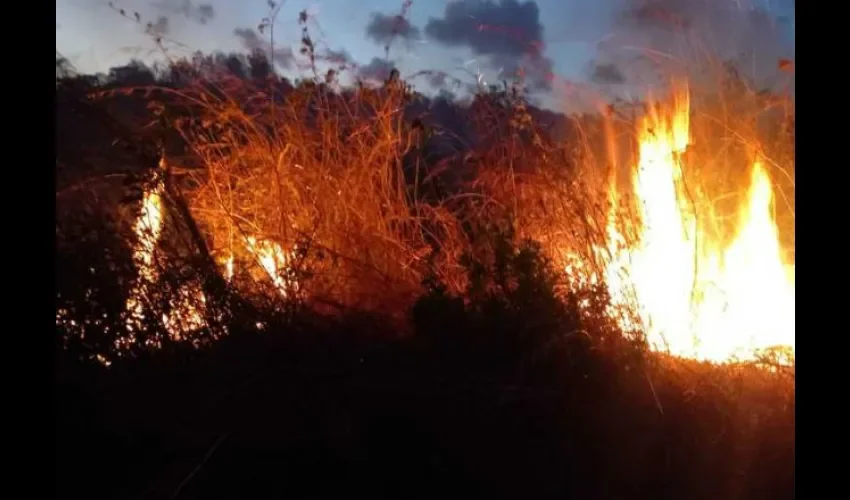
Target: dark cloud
<point>377,69</point>
<point>253,42</point>
<point>506,27</point>
<point>201,13</point>
<point>508,34</point>
<point>607,74</point>
<point>383,28</point>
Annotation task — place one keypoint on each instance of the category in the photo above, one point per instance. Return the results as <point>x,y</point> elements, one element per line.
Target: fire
<point>148,229</point>
<point>187,305</point>
<point>274,261</point>
<point>696,295</point>
<point>186,314</point>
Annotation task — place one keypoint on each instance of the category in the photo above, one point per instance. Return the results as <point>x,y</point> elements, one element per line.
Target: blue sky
<point>575,33</point>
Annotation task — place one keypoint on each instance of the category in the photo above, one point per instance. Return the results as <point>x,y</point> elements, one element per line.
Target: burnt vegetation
<point>430,346</point>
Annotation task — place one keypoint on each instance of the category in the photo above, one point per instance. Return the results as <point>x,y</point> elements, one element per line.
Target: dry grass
<point>325,174</point>
<point>336,180</point>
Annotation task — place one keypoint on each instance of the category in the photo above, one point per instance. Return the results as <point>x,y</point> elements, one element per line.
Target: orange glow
<point>698,296</point>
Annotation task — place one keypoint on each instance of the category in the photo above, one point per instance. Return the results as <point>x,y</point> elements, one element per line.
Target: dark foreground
<point>324,411</point>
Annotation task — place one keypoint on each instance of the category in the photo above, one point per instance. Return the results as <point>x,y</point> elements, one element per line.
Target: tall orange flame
<point>696,296</point>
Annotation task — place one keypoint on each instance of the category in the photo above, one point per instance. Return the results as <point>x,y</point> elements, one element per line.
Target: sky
<point>561,46</point>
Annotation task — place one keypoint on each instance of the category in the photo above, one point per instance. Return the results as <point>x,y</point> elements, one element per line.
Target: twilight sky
<point>563,46</point>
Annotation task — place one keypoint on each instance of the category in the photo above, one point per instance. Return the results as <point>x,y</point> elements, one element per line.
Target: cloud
<point>508,34</point>
<point>607,74</point>
<point>253,42</point>
<point>201,13</point>
<point>383,28</point>
<point>377,69</point>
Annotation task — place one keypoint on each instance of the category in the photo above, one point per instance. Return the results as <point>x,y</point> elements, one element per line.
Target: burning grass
<point>701,276</point>
<point>303,258</point>
<point>329,198</point>
<point>509,377</point>
<point>706,287</point>
<point>322,177</point>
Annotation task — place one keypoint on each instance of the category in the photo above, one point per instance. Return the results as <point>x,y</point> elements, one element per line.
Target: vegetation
<point>423,342</point>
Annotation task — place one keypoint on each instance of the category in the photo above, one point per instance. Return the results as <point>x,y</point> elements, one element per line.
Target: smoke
<point>437,79</point>
<point>338,57</point>
<point>607,74</point>
<point>653,36</point>
<point>507,34</point>
<point>377,69</point>
<point>253,42</point>
<point>384,28</point>
<point>201,13</point>
<point>159,28</point>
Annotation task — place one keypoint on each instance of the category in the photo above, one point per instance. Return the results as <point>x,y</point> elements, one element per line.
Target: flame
<point>274,261</point>
<point>695,295</point>
<point>228,267</point>
<point>186,307</point>
<point>148,229</point>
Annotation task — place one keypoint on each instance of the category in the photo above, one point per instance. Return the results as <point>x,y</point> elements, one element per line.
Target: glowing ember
<point>186,312</point>
<point>696,295</point>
